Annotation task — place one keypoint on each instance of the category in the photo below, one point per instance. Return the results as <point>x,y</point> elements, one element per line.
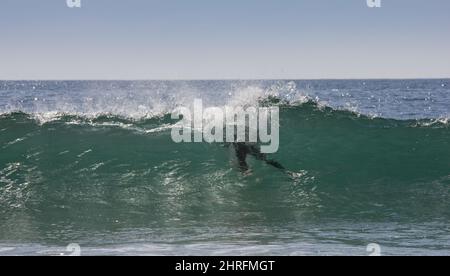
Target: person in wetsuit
<point>243,149</point>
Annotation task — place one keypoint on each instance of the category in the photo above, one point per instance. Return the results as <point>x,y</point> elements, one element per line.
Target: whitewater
<point>93,163</point>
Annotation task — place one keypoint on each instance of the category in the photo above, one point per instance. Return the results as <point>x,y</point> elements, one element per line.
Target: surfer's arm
<point>261,156</point>
<point>275,164</point>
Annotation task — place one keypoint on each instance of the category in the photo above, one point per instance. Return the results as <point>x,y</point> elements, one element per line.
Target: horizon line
<point>234,79</point>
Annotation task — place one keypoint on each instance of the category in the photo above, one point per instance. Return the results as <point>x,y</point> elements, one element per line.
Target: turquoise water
<point>93,163</point>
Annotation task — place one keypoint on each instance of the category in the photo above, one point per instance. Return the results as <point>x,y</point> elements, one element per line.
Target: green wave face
<point>340,166</point>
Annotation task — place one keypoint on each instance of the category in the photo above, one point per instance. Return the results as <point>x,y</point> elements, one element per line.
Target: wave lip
<point>409,99</point>
<point>307,106</point>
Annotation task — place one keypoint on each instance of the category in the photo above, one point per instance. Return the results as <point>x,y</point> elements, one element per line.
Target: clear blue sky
<point>222,39</point>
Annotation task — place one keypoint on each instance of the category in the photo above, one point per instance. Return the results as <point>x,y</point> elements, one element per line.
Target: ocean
<point>92,164</point>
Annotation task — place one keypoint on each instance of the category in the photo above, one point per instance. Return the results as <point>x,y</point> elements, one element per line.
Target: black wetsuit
<point>242,150</point>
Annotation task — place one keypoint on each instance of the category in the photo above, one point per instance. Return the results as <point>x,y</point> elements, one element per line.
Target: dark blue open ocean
<point>92,163</point>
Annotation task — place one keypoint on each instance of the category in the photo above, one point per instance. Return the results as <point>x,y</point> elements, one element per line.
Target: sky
<point>224,39</point>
